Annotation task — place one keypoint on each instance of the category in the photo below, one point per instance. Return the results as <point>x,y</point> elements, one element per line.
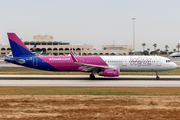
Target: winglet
<point>73,56</point>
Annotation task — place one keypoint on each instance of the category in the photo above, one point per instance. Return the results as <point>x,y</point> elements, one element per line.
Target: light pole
<point>134,33</point>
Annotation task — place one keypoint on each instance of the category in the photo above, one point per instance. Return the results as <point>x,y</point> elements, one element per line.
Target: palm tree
<point>144,44</point>
<point>158,50</point>
<point>178,46</point>
<point>166,46</point>
<point>154,45</point>
<point>148,50</point>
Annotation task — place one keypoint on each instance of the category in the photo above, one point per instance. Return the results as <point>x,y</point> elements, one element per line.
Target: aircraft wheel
<point>92,77</point>
<point>157,77</point>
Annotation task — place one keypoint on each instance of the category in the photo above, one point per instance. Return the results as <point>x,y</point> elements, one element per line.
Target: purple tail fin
<point>17,46</point>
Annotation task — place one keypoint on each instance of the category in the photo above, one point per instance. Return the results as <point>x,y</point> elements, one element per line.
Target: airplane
<point>177,54</point>
<point>107,66</point>
<point>9,54</point>
<point>33,51</point>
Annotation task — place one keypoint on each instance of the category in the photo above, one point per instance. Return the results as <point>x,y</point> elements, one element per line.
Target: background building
<point>50,47</point>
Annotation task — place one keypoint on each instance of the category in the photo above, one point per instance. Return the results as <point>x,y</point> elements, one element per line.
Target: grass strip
<point>150,91</point>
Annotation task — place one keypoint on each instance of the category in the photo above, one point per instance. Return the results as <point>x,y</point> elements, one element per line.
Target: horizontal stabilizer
<point>21,61</point>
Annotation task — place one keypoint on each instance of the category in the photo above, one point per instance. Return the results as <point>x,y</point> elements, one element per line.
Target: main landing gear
<point>157,77</point>
<point>92,77</point>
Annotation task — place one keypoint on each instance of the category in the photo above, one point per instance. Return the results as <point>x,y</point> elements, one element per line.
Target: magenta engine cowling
<point>109,73</point>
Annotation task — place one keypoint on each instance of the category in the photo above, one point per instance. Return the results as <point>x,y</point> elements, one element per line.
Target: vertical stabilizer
<point>34,48</point>
<point>17,46</point>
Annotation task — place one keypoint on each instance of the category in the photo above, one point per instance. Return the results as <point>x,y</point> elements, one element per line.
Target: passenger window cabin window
<point>168,61</point>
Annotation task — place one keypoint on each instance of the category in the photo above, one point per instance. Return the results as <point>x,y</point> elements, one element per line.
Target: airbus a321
<point>108,66</point>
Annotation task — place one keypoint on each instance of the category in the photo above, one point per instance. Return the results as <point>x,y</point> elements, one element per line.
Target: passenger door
<point>158,61</point>
<point>35,61</point>
<point>81,60</point>
<point>124,62</point>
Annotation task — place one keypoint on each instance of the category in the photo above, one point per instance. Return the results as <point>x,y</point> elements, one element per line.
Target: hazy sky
<point>94,22</point>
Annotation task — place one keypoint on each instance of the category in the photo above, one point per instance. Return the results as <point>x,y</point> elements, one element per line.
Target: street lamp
<point>134,33</point>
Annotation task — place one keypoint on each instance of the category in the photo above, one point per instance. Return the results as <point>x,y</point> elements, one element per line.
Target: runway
<point>84,81</point>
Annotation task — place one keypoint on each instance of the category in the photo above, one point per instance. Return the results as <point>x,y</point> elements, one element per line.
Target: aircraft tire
<point>92,77</point>
<point>157,78</point>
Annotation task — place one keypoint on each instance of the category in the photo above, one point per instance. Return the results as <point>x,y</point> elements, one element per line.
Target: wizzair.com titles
<point>59,58</point>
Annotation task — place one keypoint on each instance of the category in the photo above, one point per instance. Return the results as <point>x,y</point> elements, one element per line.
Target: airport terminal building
<point>50,47</point>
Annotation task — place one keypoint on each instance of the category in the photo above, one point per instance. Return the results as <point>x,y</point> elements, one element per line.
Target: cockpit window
<point>168,61</point>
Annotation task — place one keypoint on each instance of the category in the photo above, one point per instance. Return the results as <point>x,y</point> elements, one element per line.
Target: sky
<point>94,22</point>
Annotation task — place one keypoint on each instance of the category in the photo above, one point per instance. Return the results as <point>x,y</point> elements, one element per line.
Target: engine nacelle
<point>109,73</point>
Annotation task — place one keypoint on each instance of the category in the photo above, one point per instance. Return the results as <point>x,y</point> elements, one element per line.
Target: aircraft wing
<point>90,67</point>
<point>87,67</point>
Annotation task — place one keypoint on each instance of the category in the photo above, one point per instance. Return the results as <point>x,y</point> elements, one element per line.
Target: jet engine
<point>109,73</point>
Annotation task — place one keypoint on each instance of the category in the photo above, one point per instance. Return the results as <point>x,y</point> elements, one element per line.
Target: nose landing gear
<point>157,77</point>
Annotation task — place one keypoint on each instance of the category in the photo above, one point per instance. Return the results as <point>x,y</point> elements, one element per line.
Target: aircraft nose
<point>174,65</point>
<point>5,59</point>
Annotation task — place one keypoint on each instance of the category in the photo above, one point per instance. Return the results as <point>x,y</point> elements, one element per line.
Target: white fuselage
<point>139,63</point>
